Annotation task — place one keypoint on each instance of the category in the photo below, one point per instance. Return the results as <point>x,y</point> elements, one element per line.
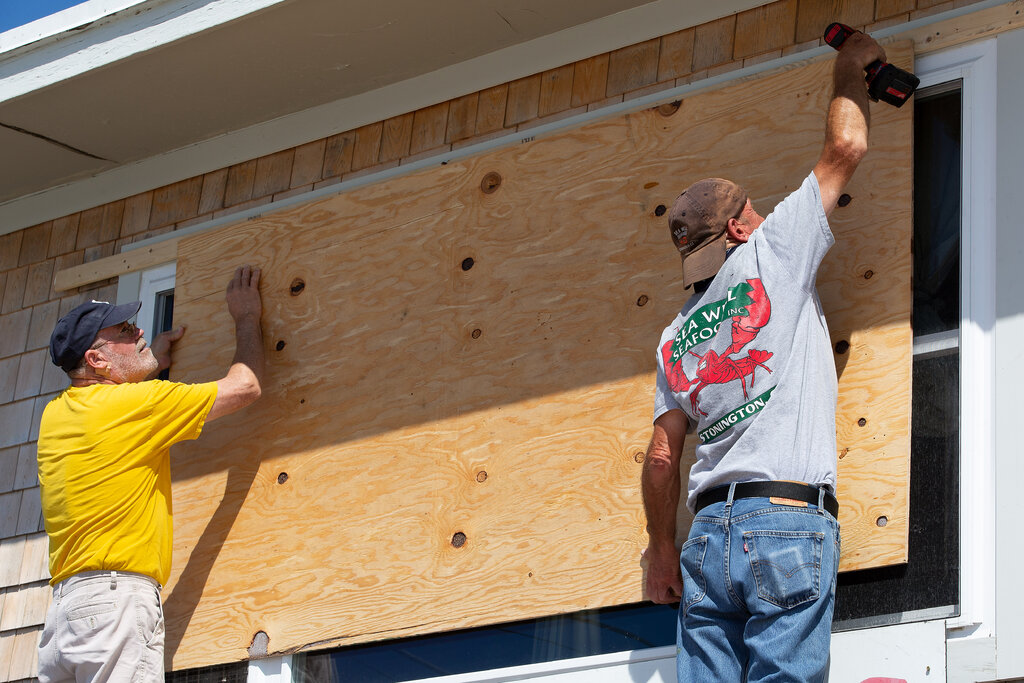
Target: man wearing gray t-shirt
<point>747,368</point>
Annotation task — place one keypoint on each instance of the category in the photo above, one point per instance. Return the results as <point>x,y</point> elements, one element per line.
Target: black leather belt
<point>769,489</point>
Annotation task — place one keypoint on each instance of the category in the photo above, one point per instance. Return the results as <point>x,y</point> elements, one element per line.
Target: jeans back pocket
<point>786,565</point>
<point>691,563</point>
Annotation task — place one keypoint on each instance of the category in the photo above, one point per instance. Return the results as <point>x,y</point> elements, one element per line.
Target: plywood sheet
<point>460,377</point>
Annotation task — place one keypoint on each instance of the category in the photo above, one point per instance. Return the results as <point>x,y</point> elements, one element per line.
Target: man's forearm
<point>849,115</point>
<point>660,486</point>
<point>249,345</point>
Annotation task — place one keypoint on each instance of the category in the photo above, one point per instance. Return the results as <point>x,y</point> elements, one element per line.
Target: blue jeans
<point>759,584</point>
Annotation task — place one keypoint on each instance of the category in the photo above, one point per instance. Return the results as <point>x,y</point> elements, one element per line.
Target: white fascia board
<point>564,47</point>
<point>114,37</point>
<point>60,22</point>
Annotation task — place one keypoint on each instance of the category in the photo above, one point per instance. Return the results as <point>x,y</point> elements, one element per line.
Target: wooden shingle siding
<point>338,150</point>
<point>367,149</point>
<point>34,246</point>
<point>490,110</point>
<point>555,91</point>
<point>813,17</point>
<point>64,235</point>
<point>172,203</point>
<point>676,55</point>
<point>764,29</point>
<point>712,43</point>
<point>137,209</point>
<point>396,137</point>
<point>273,173</point>
<point>633,67</point>
<point>590,80</point>
<point>239,184</point>
<point>10,247</point>
<point>309,163</point>
<point>888,8</point>
<point>462,118</point>
<point>523,100</point>
<point>429,126</point>
<point>211,197</point>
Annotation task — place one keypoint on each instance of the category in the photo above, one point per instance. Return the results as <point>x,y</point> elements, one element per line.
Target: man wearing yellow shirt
<point>105,480</point>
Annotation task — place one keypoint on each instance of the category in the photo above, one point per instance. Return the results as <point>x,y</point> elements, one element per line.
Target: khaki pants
<point>103,626</point>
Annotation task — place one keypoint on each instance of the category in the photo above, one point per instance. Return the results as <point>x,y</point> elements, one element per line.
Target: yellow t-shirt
<point>105,475</point>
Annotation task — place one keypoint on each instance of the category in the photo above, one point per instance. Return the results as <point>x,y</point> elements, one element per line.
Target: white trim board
<point>50,27</point>
<point>913,652</point>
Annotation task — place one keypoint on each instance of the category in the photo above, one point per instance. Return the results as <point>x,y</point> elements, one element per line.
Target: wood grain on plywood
<point>460,368</point>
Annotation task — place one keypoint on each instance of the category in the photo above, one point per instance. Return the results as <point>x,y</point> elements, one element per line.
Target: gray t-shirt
<point>750,362</point>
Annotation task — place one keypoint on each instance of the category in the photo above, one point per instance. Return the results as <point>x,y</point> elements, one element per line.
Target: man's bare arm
<point>660,485</point>
<point>846,128</point>
<point>242,385</point>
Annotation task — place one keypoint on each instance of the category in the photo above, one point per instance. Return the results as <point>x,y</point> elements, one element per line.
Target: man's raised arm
<point>242,385</point>
<point>846,128</point>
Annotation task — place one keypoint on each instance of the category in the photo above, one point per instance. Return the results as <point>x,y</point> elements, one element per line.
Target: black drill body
<point>886,82</point>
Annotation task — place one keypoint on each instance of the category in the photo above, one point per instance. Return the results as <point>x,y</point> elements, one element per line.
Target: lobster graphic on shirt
<point>713,368</point>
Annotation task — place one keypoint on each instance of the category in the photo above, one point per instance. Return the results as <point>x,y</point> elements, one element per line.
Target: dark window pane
<point>223,673</point>
<point>931,577</point>
<point>937,213</point>
<point>164,319</point>
<point>580,634</point>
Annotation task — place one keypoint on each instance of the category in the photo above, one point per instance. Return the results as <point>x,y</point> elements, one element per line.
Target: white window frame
<point>153,281</point>
<point>975,66</point>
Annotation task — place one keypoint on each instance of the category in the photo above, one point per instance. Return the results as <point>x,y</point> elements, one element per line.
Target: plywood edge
<point>119,264</point>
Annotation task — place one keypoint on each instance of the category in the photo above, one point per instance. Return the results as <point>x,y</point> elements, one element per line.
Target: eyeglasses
<point>128,332</point>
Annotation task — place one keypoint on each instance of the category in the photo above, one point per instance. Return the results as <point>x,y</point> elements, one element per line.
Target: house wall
<point>29,258</point>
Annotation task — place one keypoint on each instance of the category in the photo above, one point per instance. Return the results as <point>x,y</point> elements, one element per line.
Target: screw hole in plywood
<point>282,478</point>
<point>280,344</point>
<point>669,108</point>
<point>660,210</point>
<point>298,284</point>
<point>642,300</point>
<point>481,476</point>
<point>844,199</point>
<point>459,539</point>
<point>468,263</point>
<point>862,422</point>
<point>882,521</point>
<point>842,346</point>
<point>491,182</point>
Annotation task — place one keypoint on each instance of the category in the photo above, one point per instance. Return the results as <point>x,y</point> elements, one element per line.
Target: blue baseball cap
<point>76,331</point>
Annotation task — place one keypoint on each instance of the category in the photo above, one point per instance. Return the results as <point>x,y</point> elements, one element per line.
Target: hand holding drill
<point>886,82</point>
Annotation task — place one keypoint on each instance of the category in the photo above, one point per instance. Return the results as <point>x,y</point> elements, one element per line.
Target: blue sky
<point>18,12</point>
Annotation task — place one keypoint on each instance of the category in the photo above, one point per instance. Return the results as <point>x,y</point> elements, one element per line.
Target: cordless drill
<point>886,82</point>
